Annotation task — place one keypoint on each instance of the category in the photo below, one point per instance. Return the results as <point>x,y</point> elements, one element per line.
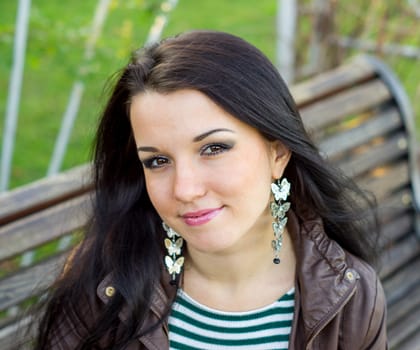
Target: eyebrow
<point>195,139</point>
<point>208,133</point>
<point>147,149</point>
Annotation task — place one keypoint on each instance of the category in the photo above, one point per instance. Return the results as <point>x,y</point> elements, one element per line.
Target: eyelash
<point>148,163</point>
<point>221,148</point>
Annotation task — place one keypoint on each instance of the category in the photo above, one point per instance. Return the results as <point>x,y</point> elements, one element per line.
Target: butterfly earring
<point>280,191</point>
<point>173,245</point>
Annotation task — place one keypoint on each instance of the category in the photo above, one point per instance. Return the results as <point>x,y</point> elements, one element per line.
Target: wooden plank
<point>29,282</point>
<point>404,306</point>
<point>44,226</point>
<point>396,229</point>
<point>404,329</point>
<point>397,204</point>
<point>375,155</point>
<point>43,193</point>
<point>14,336</point>
<point>398,285</point>
<point>324,84</point>
<point>350,102</point>
<point>399,254</point>
<point>379,124</point>
<point>412,342</point>
<point>386,180</point>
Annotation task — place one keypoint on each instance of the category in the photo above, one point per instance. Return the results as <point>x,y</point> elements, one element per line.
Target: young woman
<point>216,223</point>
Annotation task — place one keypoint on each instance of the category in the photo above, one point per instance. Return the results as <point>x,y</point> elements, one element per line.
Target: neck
<point>243,279</point>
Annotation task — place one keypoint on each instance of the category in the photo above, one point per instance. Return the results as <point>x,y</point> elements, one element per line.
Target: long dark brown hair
<point>125,235</point>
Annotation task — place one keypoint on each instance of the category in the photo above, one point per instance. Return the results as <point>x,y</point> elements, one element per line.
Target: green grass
<point>391,22</point>
<point>58,31</point>
<point>55,59</point>
<point>55,55</point>
<point>252,20</point>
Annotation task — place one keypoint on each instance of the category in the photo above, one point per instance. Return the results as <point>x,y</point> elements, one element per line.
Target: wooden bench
<point>39,223</point>
<point>362,121</point>
<point>359,116</point>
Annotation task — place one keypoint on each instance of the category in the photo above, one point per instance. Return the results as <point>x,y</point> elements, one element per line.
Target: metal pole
<point>15,86</point>
<point>66,127</point>
<point>160,21</point>
<point>286,28</point>
<point>76,95</point>
<point>78,87</point>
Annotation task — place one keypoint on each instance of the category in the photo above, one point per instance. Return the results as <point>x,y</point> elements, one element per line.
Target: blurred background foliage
<point>59,30</point>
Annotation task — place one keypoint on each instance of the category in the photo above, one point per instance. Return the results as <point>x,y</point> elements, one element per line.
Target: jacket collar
<point>164,293</point>
<point>160,299</point>
<point>324,280</point>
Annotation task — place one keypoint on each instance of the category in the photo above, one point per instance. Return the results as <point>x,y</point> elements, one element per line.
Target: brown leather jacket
<point>339,303</point>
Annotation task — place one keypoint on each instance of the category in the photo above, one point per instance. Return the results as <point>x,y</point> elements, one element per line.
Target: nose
<point>188,183</point>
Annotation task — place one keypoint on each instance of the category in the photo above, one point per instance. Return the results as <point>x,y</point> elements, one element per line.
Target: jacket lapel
<point>323,283</point>
<point>164,293</point>
<point>323,286</point>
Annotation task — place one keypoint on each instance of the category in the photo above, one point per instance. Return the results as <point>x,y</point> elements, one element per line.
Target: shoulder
<point>364,316</point>
<point>68,322</point>
<point>334,282</point>
<point>369,289</point>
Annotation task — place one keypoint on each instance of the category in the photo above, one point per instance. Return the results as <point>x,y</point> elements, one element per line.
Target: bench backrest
<point>362,121</point>
<point>39,223</point>
<point>360,118</point>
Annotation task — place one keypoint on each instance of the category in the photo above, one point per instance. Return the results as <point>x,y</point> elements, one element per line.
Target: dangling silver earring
<point>280,192</point>
<point>173,244</point>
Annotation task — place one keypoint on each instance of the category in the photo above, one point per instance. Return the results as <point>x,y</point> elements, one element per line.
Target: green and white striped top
<point>196,326</point>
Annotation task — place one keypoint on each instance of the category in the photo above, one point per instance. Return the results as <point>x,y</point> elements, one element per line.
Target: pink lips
<point>201,217</point>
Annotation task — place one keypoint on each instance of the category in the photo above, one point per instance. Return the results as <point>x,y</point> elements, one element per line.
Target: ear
<point>280,156</point>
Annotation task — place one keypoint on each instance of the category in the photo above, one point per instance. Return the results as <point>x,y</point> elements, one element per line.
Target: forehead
<point>174,104</point>
<point>187,111</point>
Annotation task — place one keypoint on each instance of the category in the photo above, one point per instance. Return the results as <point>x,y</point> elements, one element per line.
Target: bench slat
<point>350,102</point>
<point>404,306</point>
<point>398,255</point>
<point>324,84</point>
<point>392,231</point>
<point>412,341</point>
<point>396,204</point>
<point>14,336</point>
<point>18,287</point>
<point>386,180</point>
<point>43,193</point>
<point>379,124</point>
<point>43,226</point>
<point>375,155</point>
<point>404,329</point>
<point>399,284</point>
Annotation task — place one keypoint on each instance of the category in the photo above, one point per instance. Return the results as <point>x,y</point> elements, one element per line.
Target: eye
<point>214,149</point>
<point>155,162</point>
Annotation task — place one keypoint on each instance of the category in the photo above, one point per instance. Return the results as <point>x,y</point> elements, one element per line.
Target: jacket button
<point>350,276</point>
<point>109,291</point>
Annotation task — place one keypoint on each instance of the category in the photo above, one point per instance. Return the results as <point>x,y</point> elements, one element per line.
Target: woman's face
<point>207,173</point>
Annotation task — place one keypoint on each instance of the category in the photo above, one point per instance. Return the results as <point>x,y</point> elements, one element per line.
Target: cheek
<point>249,176</point>
<point>254,167</point>
<point>158,194</point>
